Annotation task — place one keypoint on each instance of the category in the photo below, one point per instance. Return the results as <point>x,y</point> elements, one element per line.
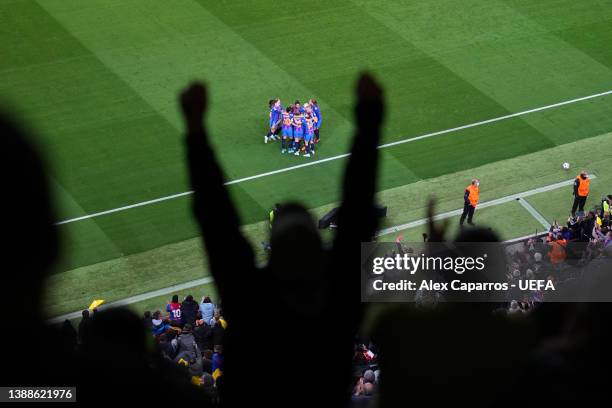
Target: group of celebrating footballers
<point>298,126</point>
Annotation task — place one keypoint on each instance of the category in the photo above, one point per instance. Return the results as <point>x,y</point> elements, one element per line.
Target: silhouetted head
<point>296,259</point>
<point>479,242</point>
<point>189,298</point>
<point>116,345</point>
<point>206,300</point>
<point>31,246</point>
<point>175,299</point>
<point>293,233</point>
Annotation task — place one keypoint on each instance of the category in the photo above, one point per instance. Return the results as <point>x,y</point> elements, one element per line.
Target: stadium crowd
<point>559,254</point>
<point>556,255</point>
<point>189,337</point>
<point>291,337</point>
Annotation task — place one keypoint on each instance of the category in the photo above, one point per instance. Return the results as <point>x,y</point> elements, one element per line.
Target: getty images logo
<point>413,264</point>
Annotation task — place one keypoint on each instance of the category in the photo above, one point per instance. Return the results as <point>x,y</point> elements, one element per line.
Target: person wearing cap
<point>581,191</point>
<point>470,200</point>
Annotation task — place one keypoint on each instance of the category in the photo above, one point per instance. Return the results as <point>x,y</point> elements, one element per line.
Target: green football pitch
<point>97,81</point>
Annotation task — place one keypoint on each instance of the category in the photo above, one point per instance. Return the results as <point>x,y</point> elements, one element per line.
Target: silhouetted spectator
<point>189,310</point>
<point>117,352</point>
<point>83,325</point>
<point>30,248</point>
<point>300,291</point>
<point>147,321</point>
<point>68,339</point>
<point>203,335</point>
<point>112,359</point>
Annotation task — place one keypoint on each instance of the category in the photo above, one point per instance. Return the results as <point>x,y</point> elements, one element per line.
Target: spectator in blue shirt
<point>159,325</point>
<point>207,308</point>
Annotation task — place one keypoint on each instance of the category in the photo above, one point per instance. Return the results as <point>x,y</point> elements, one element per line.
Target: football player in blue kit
<point>275,119</point>
<point>287,132</point>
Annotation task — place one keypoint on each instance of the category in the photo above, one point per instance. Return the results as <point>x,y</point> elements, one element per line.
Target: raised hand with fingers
<point>212,206</point>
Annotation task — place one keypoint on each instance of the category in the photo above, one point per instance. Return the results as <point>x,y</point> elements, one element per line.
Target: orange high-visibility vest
<point>557,251</point>
<point>473,196</point>
<point>583,187</point>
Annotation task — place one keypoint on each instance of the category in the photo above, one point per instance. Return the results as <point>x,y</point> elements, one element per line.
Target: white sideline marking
<point>186,193</point>
<point>341,156</point>
<point>535,213</point>
<point>127,207</point>
<point>485,204</point>
<point>209,279</point>
<point>484,122</point>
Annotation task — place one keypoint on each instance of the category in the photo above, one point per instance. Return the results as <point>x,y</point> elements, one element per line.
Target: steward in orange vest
<point>470,200</point>
<point>581,191</point>
<point>557,253</point>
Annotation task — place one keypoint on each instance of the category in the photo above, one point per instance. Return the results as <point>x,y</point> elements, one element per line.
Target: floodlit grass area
<point>556,205</point>
<point>509,220</point>
<point>184,261</point>
<point>97,82</point>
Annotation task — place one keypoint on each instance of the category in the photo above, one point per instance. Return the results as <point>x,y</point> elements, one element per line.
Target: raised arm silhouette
<point>299,350</point>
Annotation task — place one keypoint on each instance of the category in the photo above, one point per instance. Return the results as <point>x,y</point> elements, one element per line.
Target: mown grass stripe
<point>341,156</point>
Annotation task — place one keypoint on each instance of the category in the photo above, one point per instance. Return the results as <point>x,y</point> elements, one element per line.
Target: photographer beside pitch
<point>470,200</point>
<point>581,191</point>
